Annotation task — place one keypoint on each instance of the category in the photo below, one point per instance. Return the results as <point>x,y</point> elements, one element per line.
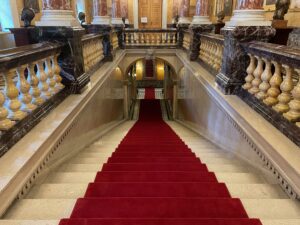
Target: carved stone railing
<point>186,40</point>
<point>211,51</point>
<point>272,85</point>
<point>93,55</point>
<point>31,76</point>
<point>115,40</point>
<point>160,38</point>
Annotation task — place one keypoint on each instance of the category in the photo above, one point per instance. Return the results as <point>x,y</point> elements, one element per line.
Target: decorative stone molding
<point>40,168</point>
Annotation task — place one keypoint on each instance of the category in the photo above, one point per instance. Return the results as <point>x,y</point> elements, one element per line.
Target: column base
<point>248,18</point>
<point>184,20</point>
<point>117,21</point>
<point>201,20</point>
<point>54,18</point>
<point>101,20</point>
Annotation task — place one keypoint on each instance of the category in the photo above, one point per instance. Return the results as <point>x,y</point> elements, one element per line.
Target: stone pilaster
<point>235,60</point>
<point>57,13</point>
<point>248,13</point>
<point>100,16</point>
<point>184,12</point>
<point>202,12</point>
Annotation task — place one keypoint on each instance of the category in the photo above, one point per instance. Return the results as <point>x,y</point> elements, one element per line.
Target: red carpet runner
<point>149,93</point>
<point>153,178</point>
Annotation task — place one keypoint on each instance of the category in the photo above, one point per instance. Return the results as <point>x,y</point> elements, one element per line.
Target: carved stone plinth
<point>235,60</point>
<point>72,62</point>
<point>195,31</point>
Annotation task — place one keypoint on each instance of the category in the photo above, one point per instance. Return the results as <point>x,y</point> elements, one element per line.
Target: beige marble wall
<point>197,108</point>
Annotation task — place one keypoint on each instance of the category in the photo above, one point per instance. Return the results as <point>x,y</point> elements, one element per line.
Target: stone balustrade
<point>31,76</point>
<point>211,50</point>
<point>92,45</point>
<point>186,40</point>
<point>273,78</point>
<point>153,38</point>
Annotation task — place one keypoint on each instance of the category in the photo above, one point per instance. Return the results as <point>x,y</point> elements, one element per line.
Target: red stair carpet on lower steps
<point>153,178</point>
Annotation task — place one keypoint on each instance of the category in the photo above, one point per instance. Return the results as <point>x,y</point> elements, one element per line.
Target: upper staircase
<point>54,196</point>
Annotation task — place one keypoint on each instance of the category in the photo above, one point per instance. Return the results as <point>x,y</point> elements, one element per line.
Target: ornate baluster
<point>34,82</point>
<point>286,86</point>
<point>127,38</point>
<point>274,91</point>
<point>147,39</point>
<point>5,123</point>
<point>12,93</point>
<point>56,69</point>
<point>249,78</point>
<point>24,87</point>
<point>257,76</point>
<point>294,113</point>
<point>265,77</point>
<point>169,38</point>
<point>48,70</point>
<point>43,85</point>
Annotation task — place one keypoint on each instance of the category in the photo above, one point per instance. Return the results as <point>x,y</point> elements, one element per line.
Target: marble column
<point>57,13</point>
<point>175,99</point>
<point>202,12</point>
<point>248,13</point>
<point>175,10</point>
<point>184,12</point>
<point>116,17</point>
<point>124,10</point>
<point>100,12</point>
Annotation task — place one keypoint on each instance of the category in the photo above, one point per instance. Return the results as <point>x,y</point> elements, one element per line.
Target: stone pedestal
<point>248,13</point>
<point>235,60</point>
<point>24,35</point>
<point>248,18</point>
<point>195,30</point>
<point>52,18</point>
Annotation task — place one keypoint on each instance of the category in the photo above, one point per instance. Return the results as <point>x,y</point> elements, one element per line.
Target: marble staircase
<point>53,197</point>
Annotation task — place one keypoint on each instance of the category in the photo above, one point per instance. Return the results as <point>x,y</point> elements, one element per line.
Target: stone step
<point>74,191</point>
<point>57,191</point>
<point>70,178</point>
<point>56,222</point>
<point>256,191</point>
<point>86,177</point>
<point>54,209</point>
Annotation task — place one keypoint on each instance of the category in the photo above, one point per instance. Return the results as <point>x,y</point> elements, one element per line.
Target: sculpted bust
<point>282,7</point>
